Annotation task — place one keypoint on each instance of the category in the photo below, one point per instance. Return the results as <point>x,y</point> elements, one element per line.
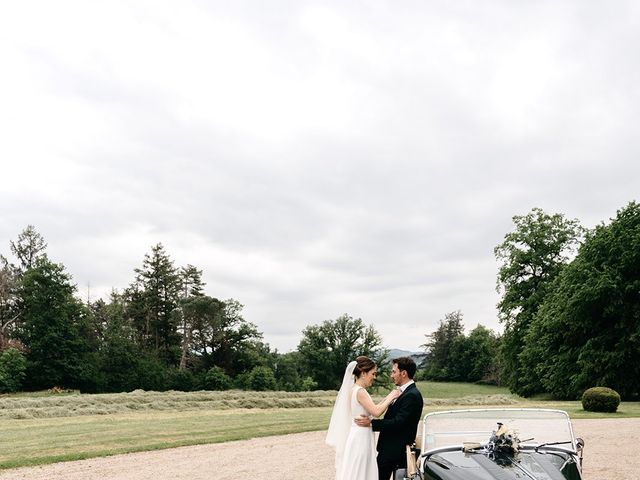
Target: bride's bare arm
<point>376,410</point>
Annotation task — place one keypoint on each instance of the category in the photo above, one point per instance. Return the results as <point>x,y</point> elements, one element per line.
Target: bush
<point>90,378</point>
<point>600,399</point>
<point>151,375</point>
<point>261,379</point>
<point>182,380</point>
<point>12,370</point>
<point>241,381</point>
<point>308,384</point>
<point>216,379</point>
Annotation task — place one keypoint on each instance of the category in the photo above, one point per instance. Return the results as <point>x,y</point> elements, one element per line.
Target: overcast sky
<point>314,158</point>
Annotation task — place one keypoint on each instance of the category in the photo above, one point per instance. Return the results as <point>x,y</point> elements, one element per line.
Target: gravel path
<point>611,453</point>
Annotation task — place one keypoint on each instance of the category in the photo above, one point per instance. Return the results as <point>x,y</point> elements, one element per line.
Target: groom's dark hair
<point>407,364</point>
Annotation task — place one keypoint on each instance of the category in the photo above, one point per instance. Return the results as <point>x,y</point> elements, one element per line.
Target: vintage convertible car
<point>498,444</point>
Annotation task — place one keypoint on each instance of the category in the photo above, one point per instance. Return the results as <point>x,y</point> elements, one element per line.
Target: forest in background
<point>569,304</point>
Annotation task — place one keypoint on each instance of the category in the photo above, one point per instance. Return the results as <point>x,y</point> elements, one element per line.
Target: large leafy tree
<point>476,356</point>
<point>288,371</point>
<point>204,315</point>
<point>485,353</point>
<point>53,328</point>
<point>587,333</point>
<point>530,257</point>
<point>453,356</point>
<point>326,349</point>
<point>236,344</point>
<point>220,336</point>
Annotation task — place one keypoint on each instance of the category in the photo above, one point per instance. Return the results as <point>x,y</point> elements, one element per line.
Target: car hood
<point>477,466</point>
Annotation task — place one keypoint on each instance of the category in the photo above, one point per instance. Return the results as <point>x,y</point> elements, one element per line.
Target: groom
<point>400,423</point>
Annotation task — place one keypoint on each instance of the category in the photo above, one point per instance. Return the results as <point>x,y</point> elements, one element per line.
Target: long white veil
<point>341,420</point>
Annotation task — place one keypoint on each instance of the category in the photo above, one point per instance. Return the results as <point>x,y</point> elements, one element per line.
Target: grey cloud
<point>323,159</point>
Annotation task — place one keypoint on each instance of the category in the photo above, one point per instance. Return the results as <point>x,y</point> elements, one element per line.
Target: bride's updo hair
<point>363,365</point>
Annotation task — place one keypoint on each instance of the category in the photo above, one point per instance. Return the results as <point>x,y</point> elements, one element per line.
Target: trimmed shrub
<point>600,399</point>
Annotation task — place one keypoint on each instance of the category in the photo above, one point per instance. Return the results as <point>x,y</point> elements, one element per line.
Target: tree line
<point>160,332</point>
<point>569,303</point>
<point>570,306</point>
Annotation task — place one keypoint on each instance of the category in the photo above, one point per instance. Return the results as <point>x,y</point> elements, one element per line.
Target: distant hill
<point>418,357</point>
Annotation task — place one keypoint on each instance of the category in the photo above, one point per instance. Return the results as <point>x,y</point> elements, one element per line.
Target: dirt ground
<point>611,453</point>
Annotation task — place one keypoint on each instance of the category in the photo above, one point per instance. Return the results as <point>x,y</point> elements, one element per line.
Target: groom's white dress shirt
<point>404,387</point>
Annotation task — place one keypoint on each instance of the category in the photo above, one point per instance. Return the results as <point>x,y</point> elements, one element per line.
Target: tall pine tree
<point>153,298</point>
<point>52,329</point>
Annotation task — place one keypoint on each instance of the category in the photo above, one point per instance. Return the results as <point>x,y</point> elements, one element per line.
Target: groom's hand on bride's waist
<point>362,421</point>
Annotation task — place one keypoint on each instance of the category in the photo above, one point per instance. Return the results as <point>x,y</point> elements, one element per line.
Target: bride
<point>355,448</point>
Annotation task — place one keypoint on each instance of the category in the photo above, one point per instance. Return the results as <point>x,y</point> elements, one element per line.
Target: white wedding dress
<point>359,458</point>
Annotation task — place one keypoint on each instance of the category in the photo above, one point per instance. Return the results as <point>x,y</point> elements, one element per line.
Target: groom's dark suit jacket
<point>399,426</point>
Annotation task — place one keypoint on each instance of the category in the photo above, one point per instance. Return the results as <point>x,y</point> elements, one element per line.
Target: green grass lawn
<point>452,395</point>
<point>48,440</point>
<point>457,390</point>
<point>39,429</point>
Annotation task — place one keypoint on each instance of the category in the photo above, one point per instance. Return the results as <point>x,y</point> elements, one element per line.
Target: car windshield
<point>536,426</point>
